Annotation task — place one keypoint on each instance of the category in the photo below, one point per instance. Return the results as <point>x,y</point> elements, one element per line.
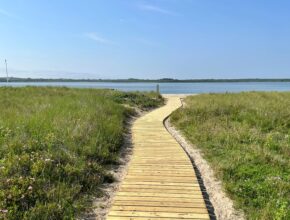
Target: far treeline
<point>133,80</point>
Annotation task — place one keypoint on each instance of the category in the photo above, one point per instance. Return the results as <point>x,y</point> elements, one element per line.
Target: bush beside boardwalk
<point>56,146</point>
<point>246,139</point>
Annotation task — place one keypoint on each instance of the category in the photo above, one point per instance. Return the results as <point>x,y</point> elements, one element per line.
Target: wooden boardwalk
<point>161,183</point>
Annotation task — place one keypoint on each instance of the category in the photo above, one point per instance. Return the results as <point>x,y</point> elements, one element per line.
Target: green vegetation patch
<point>56,146</point>
<point>246,139</point>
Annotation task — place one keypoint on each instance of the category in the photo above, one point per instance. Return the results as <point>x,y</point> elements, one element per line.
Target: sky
<point>148,39</point>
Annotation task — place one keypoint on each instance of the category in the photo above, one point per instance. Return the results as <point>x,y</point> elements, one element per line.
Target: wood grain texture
<point>161,182</point>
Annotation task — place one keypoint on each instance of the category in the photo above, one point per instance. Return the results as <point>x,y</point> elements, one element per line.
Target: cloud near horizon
<point>153,8</point>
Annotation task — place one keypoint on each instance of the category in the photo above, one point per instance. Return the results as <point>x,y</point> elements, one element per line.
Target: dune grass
<point>246,139</point>
<point>56,146</point>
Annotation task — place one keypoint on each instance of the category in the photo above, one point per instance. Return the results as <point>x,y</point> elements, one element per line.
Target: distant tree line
<point>163,80</point>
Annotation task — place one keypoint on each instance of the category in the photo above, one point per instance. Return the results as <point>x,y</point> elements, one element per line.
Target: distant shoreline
<point>164,80</point>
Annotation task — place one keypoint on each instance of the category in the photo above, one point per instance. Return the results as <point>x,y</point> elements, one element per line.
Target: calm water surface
<point>169,88</point>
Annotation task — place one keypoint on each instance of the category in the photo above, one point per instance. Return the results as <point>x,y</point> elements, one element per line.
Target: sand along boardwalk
<point>161,183</point>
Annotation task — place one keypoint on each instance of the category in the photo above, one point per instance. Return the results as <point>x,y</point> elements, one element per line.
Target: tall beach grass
<point>246,139</point>
<point>56,146</point>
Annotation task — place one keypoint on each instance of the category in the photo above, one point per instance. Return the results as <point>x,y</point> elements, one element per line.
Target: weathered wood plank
<point>159,214</point>
<point>181,204</point>
<point>167,191</point>
<point>143,208</point>
<point>160,194</point>
<point>176,187</point>
<point>161,199</point>
<point>125,182</point>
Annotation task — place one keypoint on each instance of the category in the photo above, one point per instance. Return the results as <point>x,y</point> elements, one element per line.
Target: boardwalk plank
<point>143,208</point>
<point>159,214</point>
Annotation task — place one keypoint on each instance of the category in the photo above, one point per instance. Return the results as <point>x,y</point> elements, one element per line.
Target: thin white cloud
<point>153,8</point>
<point>97,38</point>
<point>7,14</point>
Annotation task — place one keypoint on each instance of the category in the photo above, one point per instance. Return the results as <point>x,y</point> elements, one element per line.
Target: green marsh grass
<point>246,139</point>
<point>56,146</point>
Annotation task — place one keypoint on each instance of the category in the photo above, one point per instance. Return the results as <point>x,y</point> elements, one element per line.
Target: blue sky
<point>145,38</point>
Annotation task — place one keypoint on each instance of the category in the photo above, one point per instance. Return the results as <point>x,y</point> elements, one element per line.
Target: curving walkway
<point>161,183</point>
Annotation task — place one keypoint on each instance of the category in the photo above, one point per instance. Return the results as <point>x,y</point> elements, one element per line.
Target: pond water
<point>169,88</point>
